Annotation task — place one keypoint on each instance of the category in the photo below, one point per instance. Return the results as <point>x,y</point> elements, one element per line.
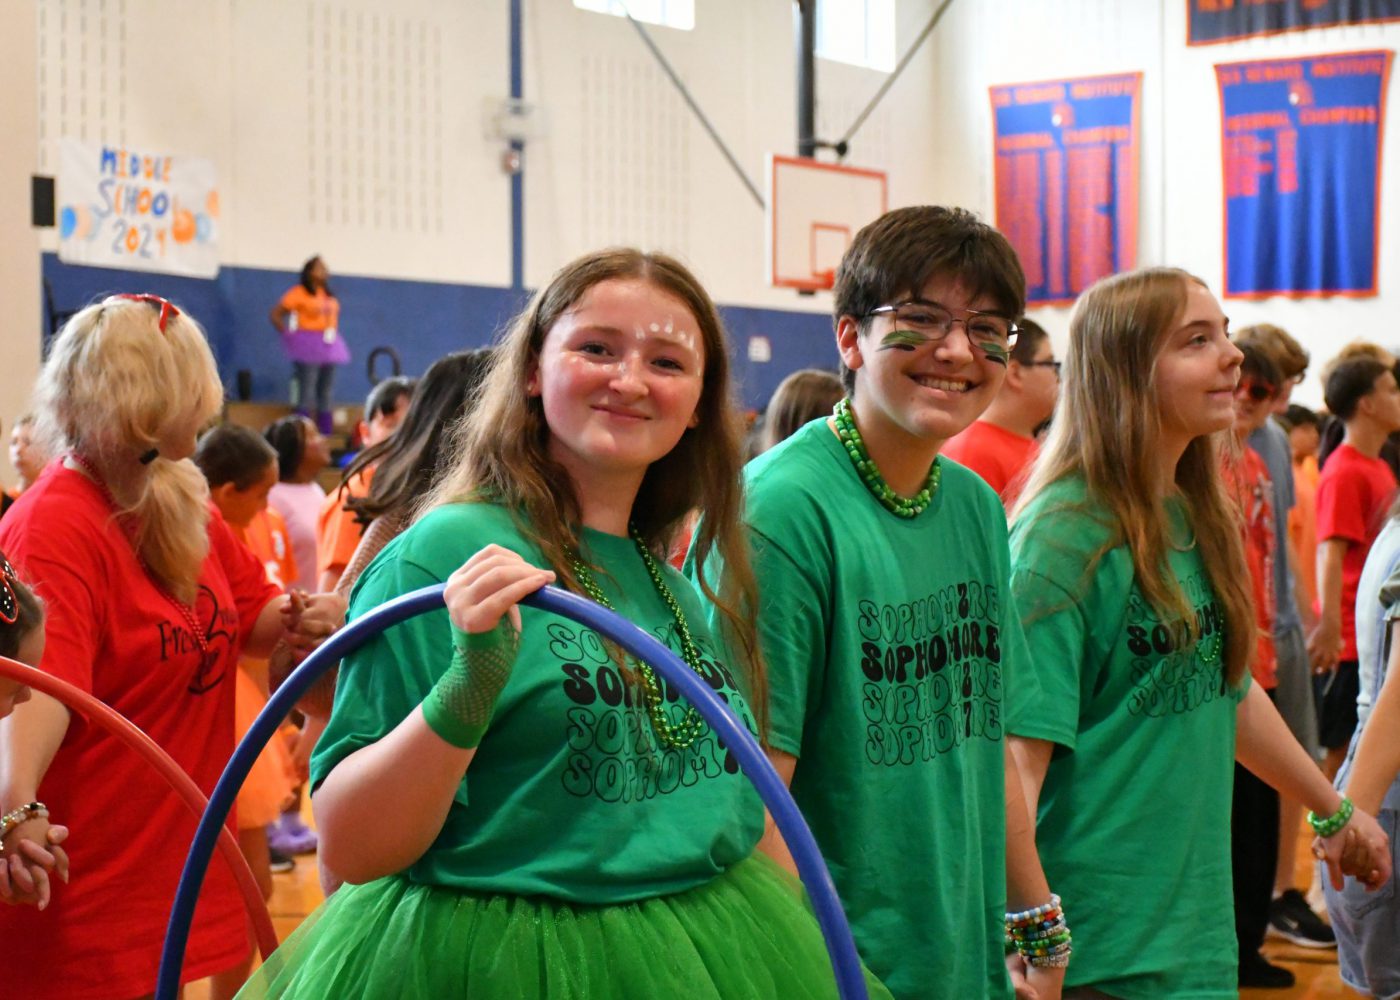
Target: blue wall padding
<point>421,320</point>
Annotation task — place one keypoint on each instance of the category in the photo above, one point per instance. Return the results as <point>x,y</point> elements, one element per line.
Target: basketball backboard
<point>813,211</point>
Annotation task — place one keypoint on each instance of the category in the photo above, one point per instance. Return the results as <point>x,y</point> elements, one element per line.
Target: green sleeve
<point>382,681</point>
<point>794,610</point>
<point>1021,685</point>
<point>1056,636</point>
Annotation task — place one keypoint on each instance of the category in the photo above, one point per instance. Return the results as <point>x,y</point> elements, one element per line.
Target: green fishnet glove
<point>459,706</point>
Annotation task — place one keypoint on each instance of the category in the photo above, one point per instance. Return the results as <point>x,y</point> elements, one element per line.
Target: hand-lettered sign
<point>137,209</point>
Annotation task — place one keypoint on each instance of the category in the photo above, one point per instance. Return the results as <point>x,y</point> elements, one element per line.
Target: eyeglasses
<point>166,307</point>
<point>9,603</point>
<point>1259,392</point>
<point>1043,364</point>
<point>933,321</point>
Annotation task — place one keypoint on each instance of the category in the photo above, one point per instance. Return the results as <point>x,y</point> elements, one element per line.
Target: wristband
<point>459,706</point>
<point>1326,826</point>
<point>23,814</point>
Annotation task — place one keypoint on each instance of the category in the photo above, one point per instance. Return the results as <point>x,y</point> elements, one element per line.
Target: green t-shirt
<point>569,794</point>
<point>894,654</point>
<point>1134,821</point>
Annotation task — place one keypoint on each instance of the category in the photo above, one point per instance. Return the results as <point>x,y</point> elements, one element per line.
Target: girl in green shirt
<point>518,811</point>
<point>1128,570</point>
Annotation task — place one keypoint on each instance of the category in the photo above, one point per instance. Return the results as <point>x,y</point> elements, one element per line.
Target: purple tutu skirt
<point>310,347</point>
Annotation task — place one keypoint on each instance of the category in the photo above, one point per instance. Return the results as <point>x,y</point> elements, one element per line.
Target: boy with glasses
<point>895,656</point>
<point>1000,445</point>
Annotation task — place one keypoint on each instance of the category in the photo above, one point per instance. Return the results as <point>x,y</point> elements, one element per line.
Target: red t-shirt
<point>996,454</point>
<point>113,633</point>
<point>1253,492</point>
<point>1353,494</point>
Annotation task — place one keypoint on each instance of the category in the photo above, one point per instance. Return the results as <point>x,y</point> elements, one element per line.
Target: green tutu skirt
<point>746,935</point>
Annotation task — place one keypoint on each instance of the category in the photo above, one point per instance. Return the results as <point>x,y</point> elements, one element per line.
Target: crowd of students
<point>1041,730</point>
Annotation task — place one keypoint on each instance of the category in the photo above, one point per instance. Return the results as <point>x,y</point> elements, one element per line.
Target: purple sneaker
<point>291,836</point>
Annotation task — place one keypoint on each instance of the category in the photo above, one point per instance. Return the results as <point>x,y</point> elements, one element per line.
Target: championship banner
<point>137,210</point>
<point>1067,180</point>
<point>1210,21</point>
<point>1302,180</point>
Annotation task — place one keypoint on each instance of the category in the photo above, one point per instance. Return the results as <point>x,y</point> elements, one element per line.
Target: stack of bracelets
<point>1040,935</point>
<point>13,818</point>
<point>1326,826</point>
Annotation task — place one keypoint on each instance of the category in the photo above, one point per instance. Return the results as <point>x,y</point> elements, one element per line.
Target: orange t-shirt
<point>997,455</point>
<point>266,535</point>
<point>337,531</point>
<point>313,312</point>
<point>1302,526</point>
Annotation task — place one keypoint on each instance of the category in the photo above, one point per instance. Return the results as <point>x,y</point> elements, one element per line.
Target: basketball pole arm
<point>845,140</point>
<point>690,103</point>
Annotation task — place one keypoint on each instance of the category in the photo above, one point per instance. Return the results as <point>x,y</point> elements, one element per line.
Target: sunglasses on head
<point>166,308</point>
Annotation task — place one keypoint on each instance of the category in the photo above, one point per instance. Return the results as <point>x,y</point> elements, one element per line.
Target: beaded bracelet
<point>23,814</point>
<point>1041,935</point>
<point>1043,912</point>
<point>1326,826</point>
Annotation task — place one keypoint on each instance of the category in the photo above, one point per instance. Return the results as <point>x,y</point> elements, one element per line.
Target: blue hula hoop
<point>850,981</point>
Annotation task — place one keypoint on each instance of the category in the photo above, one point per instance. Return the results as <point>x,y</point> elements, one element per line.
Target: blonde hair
<point>1107,431</point>
<point>113,388</point>
<point>502,450</point>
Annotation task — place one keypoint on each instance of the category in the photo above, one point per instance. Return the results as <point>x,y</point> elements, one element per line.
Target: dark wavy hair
<point>406,462</point>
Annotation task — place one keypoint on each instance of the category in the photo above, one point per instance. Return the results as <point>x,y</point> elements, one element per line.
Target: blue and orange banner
<point>1211,21</point>
<point>1067,180</point>
<point>1301,142</point>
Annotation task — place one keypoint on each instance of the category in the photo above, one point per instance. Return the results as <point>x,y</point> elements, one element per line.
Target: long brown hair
<point>114,386</point>
<point>503,450</point>
<point>1107,430</point>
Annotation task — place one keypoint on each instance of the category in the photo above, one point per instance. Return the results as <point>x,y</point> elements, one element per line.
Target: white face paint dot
<point>669,326</point>
<point>656,328</point>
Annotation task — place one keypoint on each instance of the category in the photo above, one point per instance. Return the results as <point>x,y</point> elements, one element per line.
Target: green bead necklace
<point>678,736</point>
<point>906,507</point>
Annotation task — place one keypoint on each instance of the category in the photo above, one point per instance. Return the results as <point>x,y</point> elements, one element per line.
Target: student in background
<point>410,461</point>
<point>803,396</point>
<point>1290,916</point>
<point>338,531</point>
<point>1302,426</point>
<point>27,868</point>
<point>302,452</point>
<point>151,600</point>
<point>308,318</point>
<point>27,455</point>
<point>1353,494</point>
<point>241,469</point>
<point>1368,927</point>
<point>1000,445</point>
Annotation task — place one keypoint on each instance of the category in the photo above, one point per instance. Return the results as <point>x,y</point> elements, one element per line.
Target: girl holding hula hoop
<point>1128,570</point>
<point>517,810</point>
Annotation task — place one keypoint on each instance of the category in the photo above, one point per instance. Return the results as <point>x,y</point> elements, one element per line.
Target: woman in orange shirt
<point>308,317</point>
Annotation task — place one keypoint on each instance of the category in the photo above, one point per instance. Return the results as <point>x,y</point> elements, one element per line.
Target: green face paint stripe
<point>902,338</point>
<point>995,352</point>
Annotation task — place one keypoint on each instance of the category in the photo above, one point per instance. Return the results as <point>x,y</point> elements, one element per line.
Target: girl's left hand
<point>1360,849</point>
